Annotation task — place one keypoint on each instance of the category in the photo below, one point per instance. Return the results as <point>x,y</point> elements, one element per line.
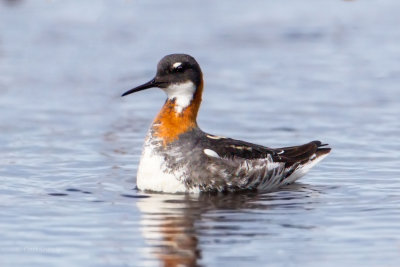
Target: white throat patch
<point>182,93</point>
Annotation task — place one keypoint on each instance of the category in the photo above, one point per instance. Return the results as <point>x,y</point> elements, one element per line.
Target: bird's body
<point>179,157</point>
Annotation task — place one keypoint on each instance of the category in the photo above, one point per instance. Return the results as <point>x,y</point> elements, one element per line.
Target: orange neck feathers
<point>170,123</point>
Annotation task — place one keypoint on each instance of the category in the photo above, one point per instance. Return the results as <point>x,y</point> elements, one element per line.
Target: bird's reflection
<point>172,224</point>
<point>168,223</point>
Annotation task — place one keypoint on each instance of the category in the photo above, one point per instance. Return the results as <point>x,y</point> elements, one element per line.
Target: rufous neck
<point>178,115</point>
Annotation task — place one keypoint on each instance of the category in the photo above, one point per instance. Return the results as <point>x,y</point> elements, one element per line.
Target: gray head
<point>176,73</point>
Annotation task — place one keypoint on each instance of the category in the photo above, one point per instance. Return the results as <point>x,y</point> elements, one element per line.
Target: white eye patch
<point>176,64</point>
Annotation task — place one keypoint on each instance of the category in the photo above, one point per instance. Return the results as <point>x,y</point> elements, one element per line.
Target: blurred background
<point>278,73</point>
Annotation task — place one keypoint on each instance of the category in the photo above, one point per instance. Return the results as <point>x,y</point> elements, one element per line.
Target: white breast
<point>153,174</point>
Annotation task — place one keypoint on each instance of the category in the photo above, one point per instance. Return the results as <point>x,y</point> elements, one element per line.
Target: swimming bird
<point>179,157</point>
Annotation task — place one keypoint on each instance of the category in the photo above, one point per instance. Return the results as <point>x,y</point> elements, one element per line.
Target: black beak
<point>147,85</point>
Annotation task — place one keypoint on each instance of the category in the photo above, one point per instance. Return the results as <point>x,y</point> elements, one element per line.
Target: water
<point>277,73</point>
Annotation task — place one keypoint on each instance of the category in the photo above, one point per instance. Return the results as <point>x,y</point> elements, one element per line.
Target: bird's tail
<point>304,158</point>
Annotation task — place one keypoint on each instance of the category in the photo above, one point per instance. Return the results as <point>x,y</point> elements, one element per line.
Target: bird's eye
<point>177,67</point>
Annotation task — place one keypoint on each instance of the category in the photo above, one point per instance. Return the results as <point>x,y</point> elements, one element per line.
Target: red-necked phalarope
<point>179,157</point>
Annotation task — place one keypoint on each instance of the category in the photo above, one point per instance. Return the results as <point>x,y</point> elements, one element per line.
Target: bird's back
<point>201,162</point>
